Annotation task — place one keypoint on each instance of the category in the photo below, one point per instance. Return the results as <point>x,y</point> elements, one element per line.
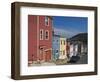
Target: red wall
<point>47,43</point>
<point>32,37</point>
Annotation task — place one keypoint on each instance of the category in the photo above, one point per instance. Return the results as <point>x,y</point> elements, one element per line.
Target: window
<point>41,34</point>
<point>46,21</point>
<point>56,51</point>
<point>47,35</point>
<point>64,42</point>
<point>41,50</point>
<point>61,42</point>
<point>64,52</point>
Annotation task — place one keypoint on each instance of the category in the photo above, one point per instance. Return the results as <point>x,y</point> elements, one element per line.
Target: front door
<point>41,55</point>
<point>48,55</point>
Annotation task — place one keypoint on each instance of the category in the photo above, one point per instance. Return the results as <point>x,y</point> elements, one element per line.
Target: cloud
<point>66,33</point>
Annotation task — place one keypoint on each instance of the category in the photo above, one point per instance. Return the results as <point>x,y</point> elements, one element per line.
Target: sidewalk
<point>44,64</point>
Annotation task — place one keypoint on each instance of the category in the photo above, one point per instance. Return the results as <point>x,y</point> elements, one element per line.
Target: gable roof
<point>79,37</point>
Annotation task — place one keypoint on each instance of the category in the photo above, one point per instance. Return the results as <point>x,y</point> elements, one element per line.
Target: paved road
<point>83,60</point>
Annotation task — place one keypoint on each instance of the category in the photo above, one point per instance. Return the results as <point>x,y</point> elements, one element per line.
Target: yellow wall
<point>62,48</point>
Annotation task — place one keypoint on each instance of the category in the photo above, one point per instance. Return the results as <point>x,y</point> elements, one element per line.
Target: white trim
<point>41,34</point>
<point>47,21</point>
<point>37,36</point>
<point>48,34</point>
<point>48,49</point>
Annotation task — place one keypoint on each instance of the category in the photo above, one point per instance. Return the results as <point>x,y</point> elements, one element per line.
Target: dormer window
<point>46,21</point>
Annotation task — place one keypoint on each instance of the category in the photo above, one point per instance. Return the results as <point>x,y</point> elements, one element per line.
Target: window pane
<point>47,35</point>
<point>64,42</point>
<point>46,21</point>
<point>41,34</point>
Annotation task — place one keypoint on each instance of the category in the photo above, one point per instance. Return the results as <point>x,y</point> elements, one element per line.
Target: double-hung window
<point>46,21</point>
<point>41,34</point>
<point>46,35</point>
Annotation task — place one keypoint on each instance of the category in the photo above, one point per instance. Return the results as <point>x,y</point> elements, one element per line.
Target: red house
<point>39,38</point>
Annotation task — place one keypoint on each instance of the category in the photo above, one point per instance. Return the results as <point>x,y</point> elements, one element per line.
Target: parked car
<point>74,59</point>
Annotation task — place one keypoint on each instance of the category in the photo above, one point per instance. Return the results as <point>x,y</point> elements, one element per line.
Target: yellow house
<point>63,52</point>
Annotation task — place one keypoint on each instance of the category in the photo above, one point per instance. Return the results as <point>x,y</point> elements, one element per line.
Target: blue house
<point>56,46</point>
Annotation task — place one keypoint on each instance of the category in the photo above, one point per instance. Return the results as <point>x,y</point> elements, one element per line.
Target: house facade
<point>39,38</point>
<point>56,46</point>
<point>67,48</point>
<point>63,52</point>
<point>78,45</point>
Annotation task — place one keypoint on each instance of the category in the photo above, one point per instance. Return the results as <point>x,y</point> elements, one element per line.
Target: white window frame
<point>41,38</point>
<point>64,42</point>
<point>61,42</point>
<point>45,35</point>
<point>46,21</point>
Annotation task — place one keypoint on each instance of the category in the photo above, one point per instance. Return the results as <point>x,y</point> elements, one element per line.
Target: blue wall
<point>56,46</point>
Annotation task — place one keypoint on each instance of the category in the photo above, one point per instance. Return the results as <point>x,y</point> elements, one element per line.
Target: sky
<point>69,26</point>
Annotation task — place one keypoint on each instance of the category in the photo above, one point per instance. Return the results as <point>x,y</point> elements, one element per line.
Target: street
<point>83,60</point>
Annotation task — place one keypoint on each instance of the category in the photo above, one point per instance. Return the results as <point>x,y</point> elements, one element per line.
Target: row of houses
<point>59,47</point>
<point>45,46</point>
<point>67,47</point>
<point>78,44</point>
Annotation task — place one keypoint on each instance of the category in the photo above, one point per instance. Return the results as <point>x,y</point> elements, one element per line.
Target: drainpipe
<point>37,38</point>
